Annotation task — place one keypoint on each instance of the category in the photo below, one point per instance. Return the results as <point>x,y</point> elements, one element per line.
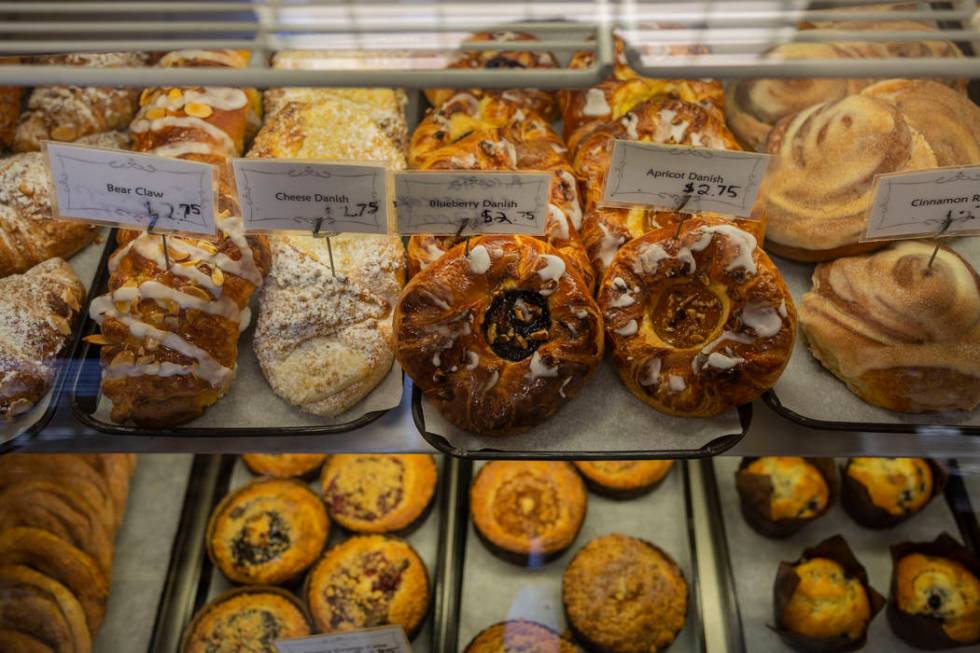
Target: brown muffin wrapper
<point>858,504</point>
<point>834,548</point>
<point>588,644</point>
<point>755,494</point>
<point>621,494</point>
<point>919,630</point>
<point>531,560</point>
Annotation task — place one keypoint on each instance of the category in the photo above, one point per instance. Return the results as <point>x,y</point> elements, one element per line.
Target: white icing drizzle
<point>624,299</point>
<point>629,329</point>
<point>762,319</point>
<point>561,389</point>
<point>436,360</point>
<point>574,210</point>
<point>608,246</point>
<point>554,267</point>
<point>595,103</point>
<point>181,148</point>
<point>676,384</point>
<point>649,259</point>
<point>696,140</point>
<point>219,97</point>
<point>187,122</point>
<point>492,381</point>
<point>558,217</point>
<point>782,308</point>
<point>580,312</point>
<point>650,372</point>
<point>478,260</point>
<point>511,151</point>
<point>744,242</point>
<point>223,306</point>
<point>472,360</point>
<point>539,369</point>
<point>629,122</point>
<point>164,368</point>
<point>558,148</point>
<point>438,302</point>
<point>667,131</point>
<point>725,337</point>
<point>722,362</point>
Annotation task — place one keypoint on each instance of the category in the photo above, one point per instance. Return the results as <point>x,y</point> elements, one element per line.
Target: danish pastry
<point>698,317</point>
<point>246,619</point>
<point>520,635</point>
<point>499,333</point>
<point>284,465</point>
<point>900,336</point>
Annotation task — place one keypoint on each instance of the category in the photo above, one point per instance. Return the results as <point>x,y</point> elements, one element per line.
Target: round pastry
<point>543,102</point>
<point>499,338</point>
<point>246,619</point>
<point>901,335</point>
<point>379,493</point>
<point>935,594</point>
<point>622,594</point>
<point>882,492</point>
<point>821,188</point>
<point>623,479</point>
<point>822,602</point>
<point>284,465</point>
<point>780,495</point>
<point>527,512</point>
<point>368,581</point>
<point>698,317</point>
<point>43,610</point>
<point>520,636</point>
<point>267,532</point>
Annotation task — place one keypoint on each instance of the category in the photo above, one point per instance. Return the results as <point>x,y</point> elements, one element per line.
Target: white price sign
<point>942,201</point>
<point>292,195</point>
<point>474,202</point>
<point>685,179</point>
<point>139,191</point>
<point>386,639</point>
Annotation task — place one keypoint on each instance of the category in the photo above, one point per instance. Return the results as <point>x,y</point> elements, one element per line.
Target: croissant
<point>902,336</point>
<point>37,312</point>
<point>66,113</point>
<point>29,234</point>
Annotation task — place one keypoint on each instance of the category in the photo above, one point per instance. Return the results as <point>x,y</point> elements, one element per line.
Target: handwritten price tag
<point>294,195</point>
<point>476,202</point>
<point>387,639</point>
<point>684,178</point>
<point>925,203</point>
<point>135,190</point>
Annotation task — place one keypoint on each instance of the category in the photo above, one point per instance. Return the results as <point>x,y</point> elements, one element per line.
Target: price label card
<point>685,179</point>
<point>386,639</point>
<point>292,195</point>
<point>921,203</point>
<point>134,190</point>
<point>476,202</point>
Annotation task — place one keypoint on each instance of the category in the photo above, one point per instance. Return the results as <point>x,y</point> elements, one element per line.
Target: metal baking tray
<point>747,561</point>
<point>490,590</point>
<point>192,580</point>
<point>86,265</point>
<point>248,391</point>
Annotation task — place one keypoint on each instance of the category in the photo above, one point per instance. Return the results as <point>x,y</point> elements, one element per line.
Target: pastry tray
<point>809,395</point>
<point>492,590</point>
<point>747,561</point>
<point>604,422</point>
<point>193,580</point>
<point>249,408</point>
<point>86,265</point>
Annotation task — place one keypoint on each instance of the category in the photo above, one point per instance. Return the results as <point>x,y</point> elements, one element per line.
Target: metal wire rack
<point>408,43</point>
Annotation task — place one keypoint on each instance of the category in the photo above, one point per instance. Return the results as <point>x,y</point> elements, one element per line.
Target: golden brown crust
<point>622,594</point>
<point>341,599</point>
<point>246,619</point>
<point>519,636</point>
<point>800,490</point>
<point>43,609</point>
<point>283,465</point>
<point>826,604</point>
<point>267,532</point>
<point>14,640</point>
<point>116,469</point>
<point>940,588</point>
<point>623,479</point>
<point>10,99</point>
<point>899,486</point>
<point>378,493</point>
<point>501,338</point>
<point>528,512</point>
<point>699,318</point>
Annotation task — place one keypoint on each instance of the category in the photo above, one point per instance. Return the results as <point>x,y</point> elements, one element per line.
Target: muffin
<point>246,619</point>
<point>368,581</point>
<point>284,465</point>
<point>882,492</point>
<point>623,479</point>
<point>527,512</point>
<point>780,495</point>
<point>822,602</point>
<point>622,594</point>
<point>520,636</point>
<point>935,594</point>
<point>379,493</point>
<point>267,532</point>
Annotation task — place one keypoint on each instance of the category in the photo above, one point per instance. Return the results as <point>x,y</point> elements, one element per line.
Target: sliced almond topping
<point>175,95</point>
<point>177,257</point>
<point>194,291</point>
<point>217,276</point>
<point>125,357</point>
<point>198,110</point>
<point>156,113</point>
<point>151,344</point>
<point>122,307</point>
<point>207,246</point>
<point>96,339</point>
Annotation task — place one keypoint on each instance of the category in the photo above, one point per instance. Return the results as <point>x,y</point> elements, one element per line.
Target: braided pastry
<point>542,102</point>
<point>818,194</point>
<point>500,338</point>
<point>698,322</point>
<point>898,337</point>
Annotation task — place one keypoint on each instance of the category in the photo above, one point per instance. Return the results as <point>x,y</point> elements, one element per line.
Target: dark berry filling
<point>516,323</point>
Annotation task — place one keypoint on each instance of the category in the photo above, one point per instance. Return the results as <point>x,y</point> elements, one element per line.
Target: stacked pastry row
<point>59,515</point>
<point>270,537</point>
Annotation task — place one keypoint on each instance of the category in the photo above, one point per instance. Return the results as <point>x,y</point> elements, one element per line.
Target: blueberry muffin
<point>527,512</point>
<point>284,465</point>
<point>520,636</point>
<point>780,495</point>
<point>368,581</point>
<point>267,532</point>
<point>247,619</point>
<point>379,493</point>
<point>622,594</point>
<point>881,492</point>
<point>623,479</point>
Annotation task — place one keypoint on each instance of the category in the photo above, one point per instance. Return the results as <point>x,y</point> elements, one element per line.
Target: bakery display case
<point>650,326</point>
